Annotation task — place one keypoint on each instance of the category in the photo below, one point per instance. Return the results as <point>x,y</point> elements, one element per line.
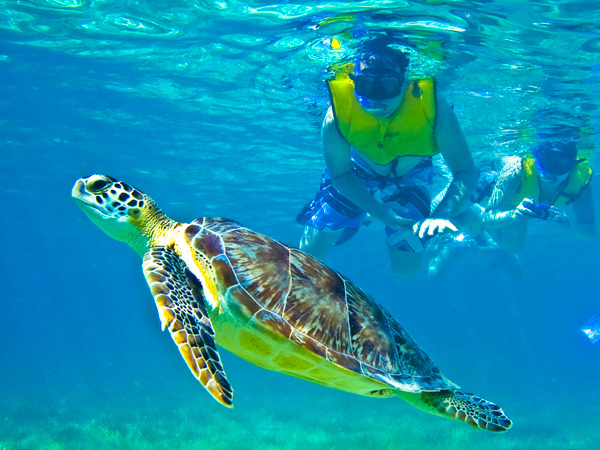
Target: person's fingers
<point>432,226</point>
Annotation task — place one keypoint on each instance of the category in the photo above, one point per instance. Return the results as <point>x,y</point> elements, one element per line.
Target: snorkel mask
<point>376,83</point>
<point>554,161</point>
<point>381,79</point>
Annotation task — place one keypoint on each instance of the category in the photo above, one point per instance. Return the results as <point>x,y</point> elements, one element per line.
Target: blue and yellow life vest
<point>408,132</point>
<point>579,178</point>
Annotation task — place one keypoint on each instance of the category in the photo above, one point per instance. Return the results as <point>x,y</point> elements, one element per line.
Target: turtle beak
<point>81,195</point>
<point>85,200</point>
<point>78,189</point>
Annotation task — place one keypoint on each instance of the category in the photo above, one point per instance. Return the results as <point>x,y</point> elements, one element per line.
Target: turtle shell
<point>282,290</point>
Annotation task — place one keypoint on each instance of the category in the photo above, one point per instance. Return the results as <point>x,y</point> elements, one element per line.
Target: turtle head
<point>120,210</point>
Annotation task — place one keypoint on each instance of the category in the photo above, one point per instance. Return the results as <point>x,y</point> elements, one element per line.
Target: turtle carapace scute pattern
<point>218,284</point>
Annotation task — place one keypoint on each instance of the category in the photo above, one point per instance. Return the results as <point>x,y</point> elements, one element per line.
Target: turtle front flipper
<point>468,408</point>
<point>178,296</point>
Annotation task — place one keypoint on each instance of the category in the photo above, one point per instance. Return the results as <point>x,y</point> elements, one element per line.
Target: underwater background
<point>213,108</point>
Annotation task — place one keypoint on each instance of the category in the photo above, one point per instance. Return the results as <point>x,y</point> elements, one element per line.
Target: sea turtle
<point>216,282</point>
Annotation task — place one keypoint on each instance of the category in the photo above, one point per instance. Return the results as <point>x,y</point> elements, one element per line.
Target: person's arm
<point>456,154</point>
<point>500,212</point>
<point>584,225</point>
<point>337,152</point>
<point>505,223</point>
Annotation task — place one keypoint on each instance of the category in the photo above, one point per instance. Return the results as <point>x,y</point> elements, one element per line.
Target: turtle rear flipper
<point>468,408</point>
<point>180,302</point>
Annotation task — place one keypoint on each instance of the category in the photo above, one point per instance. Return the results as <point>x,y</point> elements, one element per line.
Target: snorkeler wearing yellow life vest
<point>379,137</point>
<point>533,187</point>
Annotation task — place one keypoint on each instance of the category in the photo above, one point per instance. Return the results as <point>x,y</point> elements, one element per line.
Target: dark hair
<point>556,157</point>
<point>563,149</point>
<point>377,53</point>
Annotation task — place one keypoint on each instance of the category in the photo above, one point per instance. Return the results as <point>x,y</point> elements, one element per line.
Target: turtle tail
<point>468,408</point>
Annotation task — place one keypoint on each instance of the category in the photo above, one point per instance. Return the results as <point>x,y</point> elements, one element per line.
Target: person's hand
<point>393,220</point>
<point>556,215</point>
<point>529,209</point>
<point>433,226</point>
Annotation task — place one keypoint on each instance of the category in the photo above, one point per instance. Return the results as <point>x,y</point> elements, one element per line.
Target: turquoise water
<point>213,109</point>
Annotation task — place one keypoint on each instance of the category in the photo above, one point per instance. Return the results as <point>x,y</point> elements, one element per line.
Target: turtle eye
<point>98,185</point>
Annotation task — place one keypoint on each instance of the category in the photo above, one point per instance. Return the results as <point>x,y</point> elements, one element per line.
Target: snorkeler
<point>379,137</point>
<point>534,187</point>
<point>449,248</point>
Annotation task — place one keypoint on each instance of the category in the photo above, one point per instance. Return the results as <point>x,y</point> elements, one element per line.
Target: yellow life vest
<point>408,132</point>
<point>579,178</point>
